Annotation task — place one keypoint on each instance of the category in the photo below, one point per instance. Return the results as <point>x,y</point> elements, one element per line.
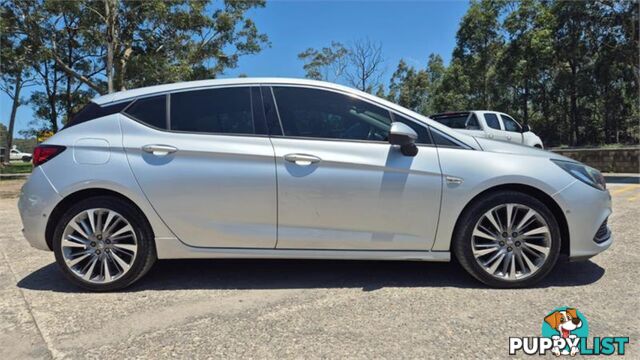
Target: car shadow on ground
<point>307,274</point>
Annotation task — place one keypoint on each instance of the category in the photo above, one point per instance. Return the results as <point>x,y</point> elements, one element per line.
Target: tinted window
<point>151,111</point>
<point>441,139</point>
<point>324,114</point>
<point>454,121</point>
<point>422,131</point>
<point>225,110</point>
<point>492,121</point>
<point>93,111</point>
<point>510,124</point>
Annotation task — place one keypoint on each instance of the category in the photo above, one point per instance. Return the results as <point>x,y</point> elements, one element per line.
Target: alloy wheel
<point>99,245</point>
<point>511,241</point>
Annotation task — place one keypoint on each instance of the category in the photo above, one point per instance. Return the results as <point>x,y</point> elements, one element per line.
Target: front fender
<point>481,171</point>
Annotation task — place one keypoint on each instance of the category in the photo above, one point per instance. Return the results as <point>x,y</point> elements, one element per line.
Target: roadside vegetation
<point>16,167</point>
<point>569,69</point>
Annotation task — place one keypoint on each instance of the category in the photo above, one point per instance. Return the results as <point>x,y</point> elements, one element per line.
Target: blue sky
<point>408,30</point>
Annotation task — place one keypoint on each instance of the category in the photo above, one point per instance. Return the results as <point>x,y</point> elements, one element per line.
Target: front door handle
<point>508,137</point>
<point>302,159</point>
<point>159,150</point>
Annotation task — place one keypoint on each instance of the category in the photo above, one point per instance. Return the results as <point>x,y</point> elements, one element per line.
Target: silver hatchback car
<point>289,168</point>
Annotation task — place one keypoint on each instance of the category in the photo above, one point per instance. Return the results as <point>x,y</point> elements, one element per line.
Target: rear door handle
<point>508,137</point>
<point>302,159</point>
<point>159,150</point>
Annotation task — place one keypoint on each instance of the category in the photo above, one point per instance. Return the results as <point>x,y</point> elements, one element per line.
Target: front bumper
<point>37,199</point>
<point>586,209</point>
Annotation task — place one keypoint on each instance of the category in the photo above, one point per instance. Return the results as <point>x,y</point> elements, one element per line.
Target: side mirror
<point>525,128</point>
<point>405,137</point>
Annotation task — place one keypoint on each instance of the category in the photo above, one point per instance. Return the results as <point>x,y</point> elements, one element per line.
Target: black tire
<point>26,159</point>
<point>144,258</point>
<point>462,247</point>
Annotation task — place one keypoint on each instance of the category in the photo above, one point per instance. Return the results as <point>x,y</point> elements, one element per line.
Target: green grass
<point>17,168</point>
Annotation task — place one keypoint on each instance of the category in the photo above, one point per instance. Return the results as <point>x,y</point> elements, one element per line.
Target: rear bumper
<point>585,209</point>
<point>37,199</point>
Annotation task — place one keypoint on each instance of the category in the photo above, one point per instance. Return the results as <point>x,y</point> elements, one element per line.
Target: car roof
<point>188,85</point>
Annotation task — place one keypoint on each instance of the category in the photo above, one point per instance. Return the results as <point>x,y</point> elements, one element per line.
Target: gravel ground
<point>310,309</point>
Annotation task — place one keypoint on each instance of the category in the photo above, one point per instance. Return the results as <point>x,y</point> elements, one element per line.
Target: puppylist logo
<point>565,331</point>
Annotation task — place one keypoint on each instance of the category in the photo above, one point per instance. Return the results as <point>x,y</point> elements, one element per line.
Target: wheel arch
<point>538,194</point>
<point>80,195</point>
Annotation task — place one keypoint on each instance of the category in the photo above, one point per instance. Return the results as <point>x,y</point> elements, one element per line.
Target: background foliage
<point>569,69</point>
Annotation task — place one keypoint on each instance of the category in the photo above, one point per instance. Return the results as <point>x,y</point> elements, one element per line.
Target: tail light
<point>44,153</point>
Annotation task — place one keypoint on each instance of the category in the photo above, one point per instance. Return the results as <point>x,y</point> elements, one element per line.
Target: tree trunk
<point>12,118</point>
<point>110,19</point>
<point>574,107</point>
<point>525,110</point>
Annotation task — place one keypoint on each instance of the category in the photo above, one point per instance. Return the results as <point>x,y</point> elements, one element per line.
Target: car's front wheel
<point>507,239</point>
<point>103,243</point>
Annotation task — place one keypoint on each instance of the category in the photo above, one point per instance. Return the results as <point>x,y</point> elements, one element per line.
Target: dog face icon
<point>564,321</point>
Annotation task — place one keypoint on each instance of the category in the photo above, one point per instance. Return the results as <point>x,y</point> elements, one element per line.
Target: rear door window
<point>492,121</point>
<point>224,111</point>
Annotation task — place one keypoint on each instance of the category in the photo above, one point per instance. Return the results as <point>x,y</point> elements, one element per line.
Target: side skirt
<point>171,248</point>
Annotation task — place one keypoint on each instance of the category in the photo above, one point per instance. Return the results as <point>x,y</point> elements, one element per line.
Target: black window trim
<point>269,86</point>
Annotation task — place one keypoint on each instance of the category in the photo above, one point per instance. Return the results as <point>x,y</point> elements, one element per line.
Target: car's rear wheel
<point>103,243</point>
<point>507,239</point>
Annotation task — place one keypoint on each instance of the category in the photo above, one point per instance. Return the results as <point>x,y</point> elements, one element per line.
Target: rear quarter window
<point>151,111</point>
<point>93,111</point>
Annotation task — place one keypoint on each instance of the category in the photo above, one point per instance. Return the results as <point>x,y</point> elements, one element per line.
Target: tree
<point>570,69</point>
<point>365,65</point>
<point>359,64</point>
<point>15,56</point>
<point>83,48</point>
<point>530,28</point>
<point>326,64</point>
<point>435,71</point>
<point>479,42</point>
<point>409,87</point>
<point>120,43</point>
